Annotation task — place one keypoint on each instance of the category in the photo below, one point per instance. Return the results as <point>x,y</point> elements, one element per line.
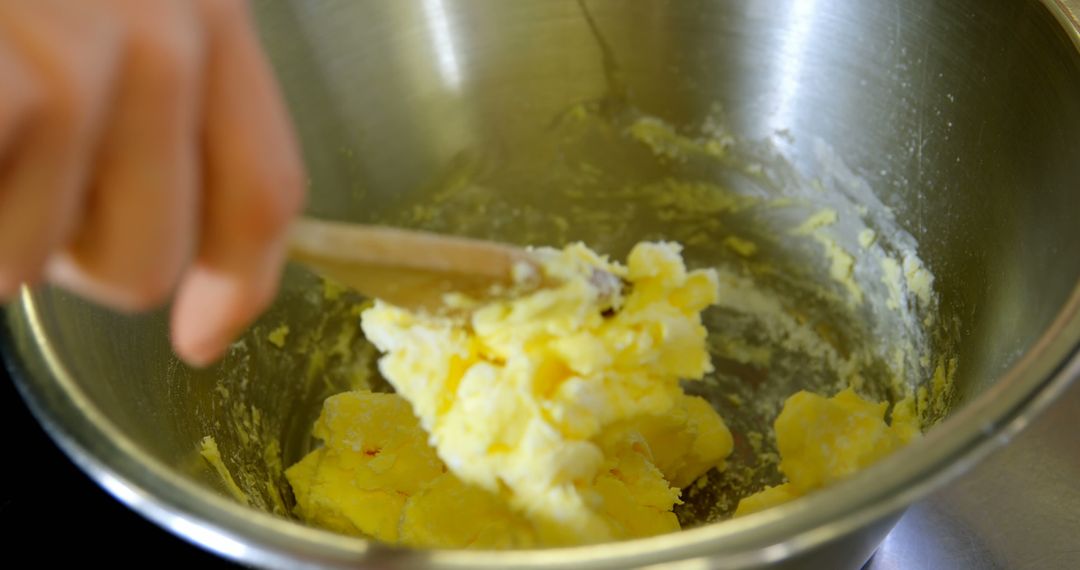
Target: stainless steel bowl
<point>950,129</point>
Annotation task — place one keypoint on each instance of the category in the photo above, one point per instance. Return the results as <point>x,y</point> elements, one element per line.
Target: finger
<point>253,187</point>
<point>66,57</point>
<point>19,100</point>
<point>140,217</point>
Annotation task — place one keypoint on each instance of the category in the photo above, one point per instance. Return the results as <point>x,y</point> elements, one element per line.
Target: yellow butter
<point>374,456</point>
<point>551,419</point>
<point>823,440</point>
<point>375,476</point>
<point>515,398</point>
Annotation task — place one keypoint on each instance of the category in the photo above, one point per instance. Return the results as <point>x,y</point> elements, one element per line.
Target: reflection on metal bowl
<point>888,191</point>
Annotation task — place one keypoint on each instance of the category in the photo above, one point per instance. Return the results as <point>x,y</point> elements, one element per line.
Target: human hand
<point>145,150</point>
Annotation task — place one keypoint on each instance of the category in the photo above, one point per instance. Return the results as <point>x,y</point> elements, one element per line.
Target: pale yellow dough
<point>556,419</point>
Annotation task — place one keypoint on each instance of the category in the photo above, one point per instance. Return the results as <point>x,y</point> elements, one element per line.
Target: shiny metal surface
<point>962,118</point>
<point>1017,509</point>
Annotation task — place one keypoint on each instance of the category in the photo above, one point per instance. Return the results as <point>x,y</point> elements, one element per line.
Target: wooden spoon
<point>412,269</point>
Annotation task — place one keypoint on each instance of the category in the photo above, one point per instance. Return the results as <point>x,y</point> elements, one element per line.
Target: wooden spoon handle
<point>407,268</point>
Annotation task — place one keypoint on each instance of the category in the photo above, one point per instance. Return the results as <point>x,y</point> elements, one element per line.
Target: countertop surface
<point>1020,508</point>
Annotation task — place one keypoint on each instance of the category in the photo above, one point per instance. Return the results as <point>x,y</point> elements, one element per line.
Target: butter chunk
<point>516,398</point>
<point>824,440</point>
<point>374,457</point>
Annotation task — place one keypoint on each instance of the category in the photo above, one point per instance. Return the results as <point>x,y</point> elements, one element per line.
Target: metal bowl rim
<point>234,531</point>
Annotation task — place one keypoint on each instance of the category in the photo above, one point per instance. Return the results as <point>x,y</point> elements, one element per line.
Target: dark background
<point>53,512</point>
